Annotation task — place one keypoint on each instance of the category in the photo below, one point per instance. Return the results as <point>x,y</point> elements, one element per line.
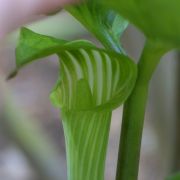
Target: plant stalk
<point>134,111</point>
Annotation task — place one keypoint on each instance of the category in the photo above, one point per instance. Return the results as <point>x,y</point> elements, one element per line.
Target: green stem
<point>134,111</point>
<point>86,135</point>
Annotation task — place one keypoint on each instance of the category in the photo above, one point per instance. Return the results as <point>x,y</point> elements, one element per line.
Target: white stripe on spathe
<point>103,74</point>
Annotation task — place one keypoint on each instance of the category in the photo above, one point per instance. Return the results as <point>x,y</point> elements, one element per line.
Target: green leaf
<point>104,77</point>
<point>158,19</point>
<point>107,25</point>
<point>174,177</point>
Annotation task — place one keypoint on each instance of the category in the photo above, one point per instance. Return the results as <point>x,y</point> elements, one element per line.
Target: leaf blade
<point>157,19</point>
<point>174,177</point>
<point>106,24</point>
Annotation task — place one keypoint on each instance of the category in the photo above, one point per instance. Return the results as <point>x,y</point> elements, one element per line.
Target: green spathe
<point>86,135</point>
<point>105,77</point>
<point>92,82</point>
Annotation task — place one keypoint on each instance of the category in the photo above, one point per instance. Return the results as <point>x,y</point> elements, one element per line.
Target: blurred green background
<point>31,136</point>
